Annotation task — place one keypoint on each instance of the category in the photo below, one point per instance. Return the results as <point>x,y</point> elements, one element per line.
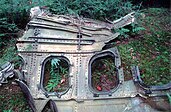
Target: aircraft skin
<point>80,41</point>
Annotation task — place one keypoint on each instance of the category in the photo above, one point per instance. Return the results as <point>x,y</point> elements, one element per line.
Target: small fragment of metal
<point>157,89</point>
<point>6,71</point>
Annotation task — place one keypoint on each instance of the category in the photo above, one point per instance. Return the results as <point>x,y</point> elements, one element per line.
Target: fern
<point>123,32</point>
<point>137,29</point>
<point>95,9</point>
<point>56,73</point>
<point>55,62</point>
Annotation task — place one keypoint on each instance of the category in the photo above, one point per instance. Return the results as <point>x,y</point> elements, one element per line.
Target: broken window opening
<point>103,73</point>
<point>56,74</point>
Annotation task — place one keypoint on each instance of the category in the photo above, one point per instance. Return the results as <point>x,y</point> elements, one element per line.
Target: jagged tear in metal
<point>79,41</point>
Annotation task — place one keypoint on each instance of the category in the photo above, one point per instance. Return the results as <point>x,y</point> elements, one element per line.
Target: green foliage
<point>14,103</point>
<point>123,32</point>
<point>104,75</point>
<point>9,55</point>
<point>151,55</point>
<point>131,30</point>
<point>55,63</point>
<point>150,52</point>
<point>15,11</point>
<point>12,15</point>
<point>57,72</point>
<point>7,110</point>
<point>137,28</point>
<point>95,9</point>
<point>7,26</point>
<point>7,32</point>
<point>101,67</point>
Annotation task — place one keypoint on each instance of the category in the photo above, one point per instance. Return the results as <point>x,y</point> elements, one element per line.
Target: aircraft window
<point>56,74</point>
<point>103,74</point>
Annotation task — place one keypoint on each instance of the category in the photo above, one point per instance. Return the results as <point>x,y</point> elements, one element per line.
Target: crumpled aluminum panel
<point>6,71</point>
<point>78,40</point>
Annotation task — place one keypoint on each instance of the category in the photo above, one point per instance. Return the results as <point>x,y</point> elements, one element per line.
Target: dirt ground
<point>11,98</point>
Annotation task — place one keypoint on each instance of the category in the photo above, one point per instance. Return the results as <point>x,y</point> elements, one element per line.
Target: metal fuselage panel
<point>79,41</point>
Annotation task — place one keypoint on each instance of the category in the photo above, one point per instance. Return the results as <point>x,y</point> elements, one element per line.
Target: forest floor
<point>150,50</point>
<point>12,98</point>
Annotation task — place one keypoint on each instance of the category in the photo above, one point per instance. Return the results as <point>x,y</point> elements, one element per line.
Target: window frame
<point>93,58</point>
<point>58,94</point>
